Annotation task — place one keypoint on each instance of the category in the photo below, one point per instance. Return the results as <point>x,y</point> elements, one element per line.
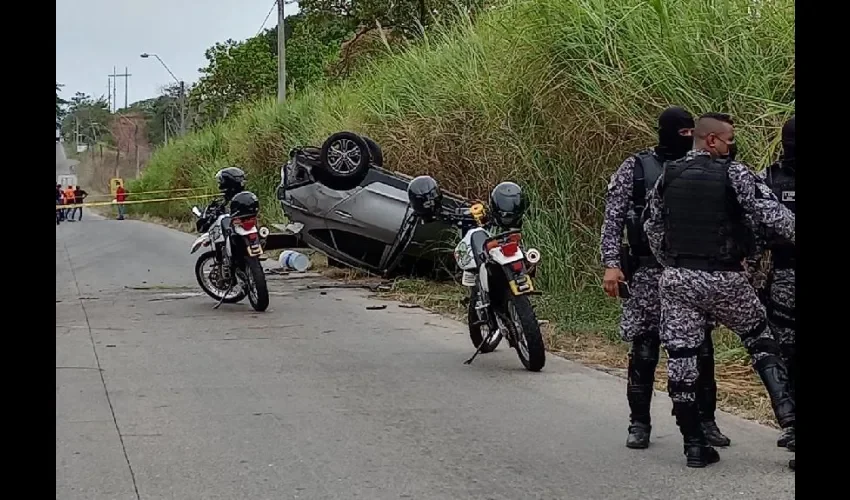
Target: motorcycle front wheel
<point>526,332</point>
<point>258,291</point>
<point>478,333</point>
<point>236,295</point>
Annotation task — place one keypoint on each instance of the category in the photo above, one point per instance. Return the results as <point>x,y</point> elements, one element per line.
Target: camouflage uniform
<point>687,295</point>
<point>641,315</point>
<point>779,295</point>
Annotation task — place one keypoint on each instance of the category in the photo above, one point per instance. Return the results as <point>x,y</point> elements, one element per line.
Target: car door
<point>374,211</point>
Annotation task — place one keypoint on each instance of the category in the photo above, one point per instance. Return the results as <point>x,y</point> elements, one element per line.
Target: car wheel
<point>374,151</point>
<point>344,161</point>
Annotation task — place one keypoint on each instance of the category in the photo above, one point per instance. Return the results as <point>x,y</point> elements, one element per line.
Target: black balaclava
<point>789,152</point>
<point>671,145</point>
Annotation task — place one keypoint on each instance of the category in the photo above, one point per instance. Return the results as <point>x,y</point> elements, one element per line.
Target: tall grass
<point>550,93</point>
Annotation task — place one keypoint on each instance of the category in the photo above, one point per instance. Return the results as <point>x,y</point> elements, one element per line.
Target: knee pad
<point>681,391</point>
<point>643,359</point>
<point>646,347</point>
<point>678,389</point>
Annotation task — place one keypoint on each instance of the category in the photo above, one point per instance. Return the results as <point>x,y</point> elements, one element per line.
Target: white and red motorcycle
<point>231,270</point>
<point>498,273</point>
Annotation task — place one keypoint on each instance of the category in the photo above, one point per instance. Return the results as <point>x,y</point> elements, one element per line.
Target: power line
<point>267,18</point>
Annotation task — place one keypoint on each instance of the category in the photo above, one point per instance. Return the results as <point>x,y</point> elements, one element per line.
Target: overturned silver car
<point>342,202</point>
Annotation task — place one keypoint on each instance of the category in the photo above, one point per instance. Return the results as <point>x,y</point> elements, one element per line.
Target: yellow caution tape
<point>135,193</point>
<point>109,203</point>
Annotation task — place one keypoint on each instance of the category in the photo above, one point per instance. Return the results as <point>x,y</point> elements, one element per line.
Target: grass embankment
<point>550,93</point>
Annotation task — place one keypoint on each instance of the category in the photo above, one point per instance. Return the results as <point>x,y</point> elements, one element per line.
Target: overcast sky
<point>92,36</point>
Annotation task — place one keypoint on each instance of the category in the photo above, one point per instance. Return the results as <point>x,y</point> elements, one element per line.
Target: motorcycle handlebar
<point>456,215</point>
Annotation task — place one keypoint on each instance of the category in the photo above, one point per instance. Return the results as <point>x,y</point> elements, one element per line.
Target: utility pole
<point>281,53</point>
<point>115,76</point>
<point>114,90</point>
<point>126,86</point>
<point>182,108</point>
<point>109,91</point>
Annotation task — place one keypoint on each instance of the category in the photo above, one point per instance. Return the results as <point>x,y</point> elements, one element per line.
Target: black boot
<point>643,358</point>
<point>697,450</point>
<point>707,393</point>
<point>638,438</point>
<point>774,376</point>
<point>789,356</point>
<point>713,434</point>
<point>786,437</point>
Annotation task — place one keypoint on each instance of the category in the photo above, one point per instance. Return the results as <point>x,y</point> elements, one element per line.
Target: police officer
<point>781,290</point>
<point>698,228</point>
<point>625,202</point>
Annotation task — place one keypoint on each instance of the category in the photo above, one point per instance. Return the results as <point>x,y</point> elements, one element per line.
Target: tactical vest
<point>647,169</point>
<point>703,221</point>
<point>782,181</point>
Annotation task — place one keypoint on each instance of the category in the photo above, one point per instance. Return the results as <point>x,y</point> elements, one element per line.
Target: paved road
<point>160,396</point>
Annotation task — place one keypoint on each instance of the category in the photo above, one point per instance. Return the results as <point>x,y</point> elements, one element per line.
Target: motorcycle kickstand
<point>478,351</point>
<point>220,302</point>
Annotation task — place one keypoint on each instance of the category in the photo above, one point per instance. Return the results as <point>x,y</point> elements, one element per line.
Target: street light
<point>145,55</point>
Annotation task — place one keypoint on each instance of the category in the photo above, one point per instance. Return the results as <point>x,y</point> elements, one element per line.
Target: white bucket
<point>294,261</point>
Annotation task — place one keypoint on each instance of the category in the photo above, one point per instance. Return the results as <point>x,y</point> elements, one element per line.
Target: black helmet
<point>231,180</point>
<point>244,204</point>
<point>507,205</point>
<point>425,196</point>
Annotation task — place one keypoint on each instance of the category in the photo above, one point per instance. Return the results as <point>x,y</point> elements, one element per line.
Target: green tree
<point>90,116</point>
<point>162,114</point>
<point>60,104</point>
<point>240,72</point>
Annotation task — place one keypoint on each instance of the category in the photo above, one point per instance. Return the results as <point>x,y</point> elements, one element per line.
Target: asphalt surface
<point>160,396</point>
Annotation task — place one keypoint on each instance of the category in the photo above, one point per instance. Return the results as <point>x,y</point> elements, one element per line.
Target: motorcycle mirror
<point>196,211</point>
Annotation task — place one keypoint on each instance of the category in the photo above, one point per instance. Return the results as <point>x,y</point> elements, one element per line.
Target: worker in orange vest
<point>69,200</point>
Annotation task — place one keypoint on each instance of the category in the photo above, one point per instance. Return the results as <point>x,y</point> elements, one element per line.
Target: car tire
<point>375,152</point>
<point>343,173</point>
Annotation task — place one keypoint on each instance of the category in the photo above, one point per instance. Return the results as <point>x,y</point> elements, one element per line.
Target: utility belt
<point>705,264</point>
<point>630,263</point>
<point>646,261</point>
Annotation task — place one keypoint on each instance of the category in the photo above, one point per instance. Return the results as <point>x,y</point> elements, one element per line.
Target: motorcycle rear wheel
<point>529,341</point>
<point>258,291</point>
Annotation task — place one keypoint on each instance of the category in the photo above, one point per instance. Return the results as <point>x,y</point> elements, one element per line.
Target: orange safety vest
<point>69,196</point>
